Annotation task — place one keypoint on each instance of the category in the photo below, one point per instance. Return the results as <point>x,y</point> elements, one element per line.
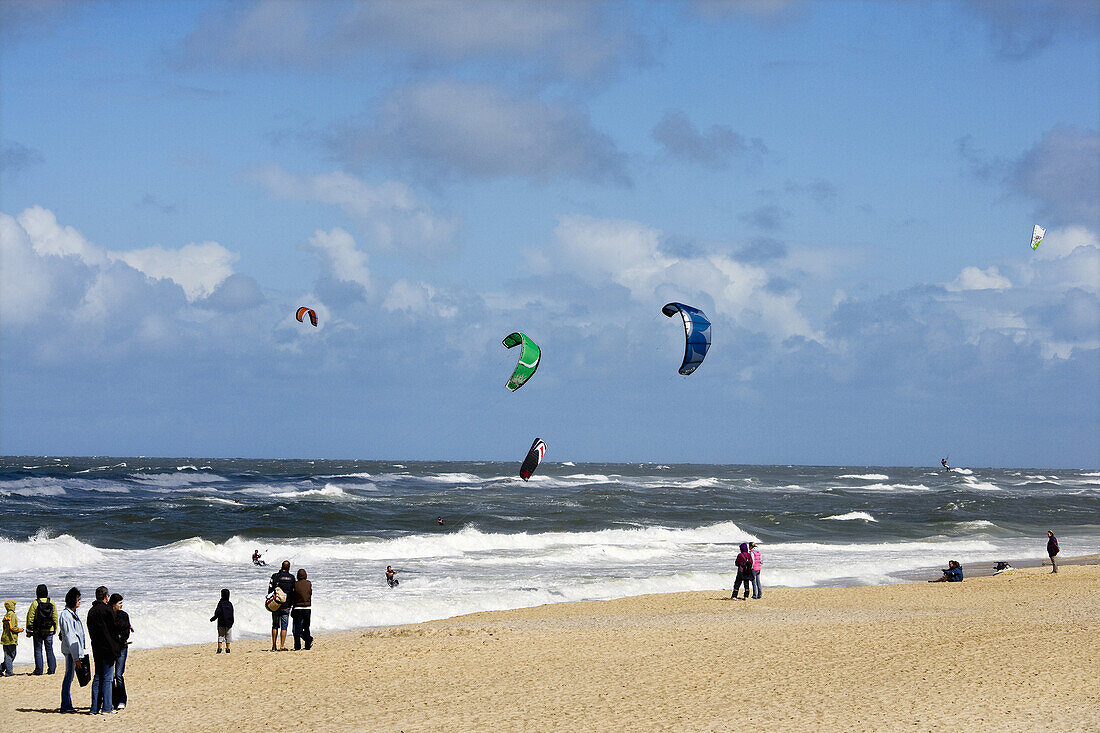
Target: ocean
<point>169,534</point>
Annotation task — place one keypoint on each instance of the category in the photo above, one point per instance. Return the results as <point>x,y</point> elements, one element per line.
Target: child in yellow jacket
<point>10,638</point>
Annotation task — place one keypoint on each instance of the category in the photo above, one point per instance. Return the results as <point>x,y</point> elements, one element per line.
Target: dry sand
<point>1019,651</point>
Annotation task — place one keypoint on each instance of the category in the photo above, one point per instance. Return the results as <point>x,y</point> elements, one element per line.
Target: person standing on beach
<point>280,619</point>
<point>303,600</point>
<point>41,626</point>
<point>744,571</point>
<point>10,638</point>
<point>223,614</point>
<point>124,629</point>
<point>105,651</point>
<point>71,634</point>
<point>757,561</point>
<point>1052,550</point>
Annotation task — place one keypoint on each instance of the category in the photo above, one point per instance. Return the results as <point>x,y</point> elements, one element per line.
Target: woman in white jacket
<point>73,646</point>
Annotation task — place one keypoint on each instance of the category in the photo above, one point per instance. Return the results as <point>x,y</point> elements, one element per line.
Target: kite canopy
<point>1037,235</point>
<point>303,311</point>
<point>533,459</point>
<point>529,357</point>
<point>696,334</point>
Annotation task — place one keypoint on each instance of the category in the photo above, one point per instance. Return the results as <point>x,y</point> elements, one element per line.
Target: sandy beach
<point>1016,651</point>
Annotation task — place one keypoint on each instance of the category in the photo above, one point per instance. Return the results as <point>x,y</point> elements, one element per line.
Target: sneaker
<point>121,706</point>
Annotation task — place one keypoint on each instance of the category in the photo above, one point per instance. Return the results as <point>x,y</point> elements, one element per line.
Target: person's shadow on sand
<point>38,710</point>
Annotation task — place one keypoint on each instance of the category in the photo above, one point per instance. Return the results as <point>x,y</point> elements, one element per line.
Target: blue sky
<point>846,189</point>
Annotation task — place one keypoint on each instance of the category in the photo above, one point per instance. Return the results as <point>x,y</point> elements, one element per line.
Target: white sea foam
<point>702,483</point>
<point>887,487</point>
<point>43,551</point>
<point>977,485</point>
<point>963,471</point>
<point>330,491</point>
<point>32,487</point>
<point>867,476</point>
<point>568,463</point>
<point>176,480</point>
<point>852,515</point>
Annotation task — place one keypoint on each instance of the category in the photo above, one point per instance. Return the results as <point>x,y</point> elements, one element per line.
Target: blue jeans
<point>70,672</point>
<point>280,619</point>
<point>46,645</point>
<point>755,583</point>
<point>9,659</point>
<point>120,684</point>
<point>101,686</point>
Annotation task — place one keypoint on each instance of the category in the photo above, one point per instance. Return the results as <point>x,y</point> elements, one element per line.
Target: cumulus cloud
<point>342,259</point>
<point>631,255</point>
<point>1021,29</point>
<point>389,213</point>
<point>481,131</point>
<point>974,278</point>
<point>1062,173</point>
<point>197,268</point>
<point>571,40</point>
<point>715,148</point>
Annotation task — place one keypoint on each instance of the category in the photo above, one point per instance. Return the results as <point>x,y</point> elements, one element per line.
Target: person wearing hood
<point>744,571</point>
<point>10,638</point>
<point>105,650</point>
<point>303,609</point>
<point>73,646</point>
<point>223,614</point>
<point>1052,550</point>
<point>41,626</point>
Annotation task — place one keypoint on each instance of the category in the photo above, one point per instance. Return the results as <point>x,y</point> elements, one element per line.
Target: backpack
<point>42,623</point>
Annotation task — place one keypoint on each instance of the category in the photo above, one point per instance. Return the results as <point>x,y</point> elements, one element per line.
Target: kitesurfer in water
<point>390,576</point>
<point>943,462</point>
<point>256,558</point>
<point>439,521</point>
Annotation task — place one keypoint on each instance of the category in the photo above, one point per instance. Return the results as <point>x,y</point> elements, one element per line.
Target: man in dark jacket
<point>103,634</point>
<point>1052,550</point>
<point>223,614</point>
<point>280,619</point>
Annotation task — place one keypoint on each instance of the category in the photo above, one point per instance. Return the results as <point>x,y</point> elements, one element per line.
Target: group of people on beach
<point>297,603</point>
<point>748,564</point>
<point>108,638</point>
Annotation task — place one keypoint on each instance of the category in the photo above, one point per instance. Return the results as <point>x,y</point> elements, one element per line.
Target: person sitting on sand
<point>953,573</point>
<point>256,559</point>
<point>390,573</point>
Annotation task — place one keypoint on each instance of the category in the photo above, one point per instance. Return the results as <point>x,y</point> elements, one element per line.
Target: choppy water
<point>169,534</point>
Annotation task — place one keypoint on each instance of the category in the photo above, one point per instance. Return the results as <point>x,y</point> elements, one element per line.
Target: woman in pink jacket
<point>744,571</point>
<point>756,562</point>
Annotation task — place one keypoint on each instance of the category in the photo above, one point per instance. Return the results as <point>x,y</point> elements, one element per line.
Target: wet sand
<point>1020,650</point>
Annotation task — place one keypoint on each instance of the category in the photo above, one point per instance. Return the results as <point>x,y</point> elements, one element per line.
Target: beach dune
<point>1017,651</point>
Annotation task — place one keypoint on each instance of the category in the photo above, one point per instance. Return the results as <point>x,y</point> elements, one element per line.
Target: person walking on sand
<point>303,600</point>
<point>41,626</point>
<point>744,571</point>
<point>124,629</point>
<point>223,614</point>
<point>757,561</point>
<point>1052,550</point>
<point>73,646</point>
<point>10,638</point>
<point>280,618</point>
<point>105,651</point>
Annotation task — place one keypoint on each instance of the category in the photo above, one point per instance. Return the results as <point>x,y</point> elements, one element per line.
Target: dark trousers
<point>300,618</point>
<point>742,578</point>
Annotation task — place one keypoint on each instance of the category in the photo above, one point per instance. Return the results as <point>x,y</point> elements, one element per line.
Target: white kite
<point>1037,236</point>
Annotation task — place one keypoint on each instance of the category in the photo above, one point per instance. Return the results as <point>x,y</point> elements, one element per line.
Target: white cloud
<point>389,213</point>
<point>974,278</point>
<point>342,259</point>
<point>50,238</point>
<point>630,254</point>
<point>197,268</point>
